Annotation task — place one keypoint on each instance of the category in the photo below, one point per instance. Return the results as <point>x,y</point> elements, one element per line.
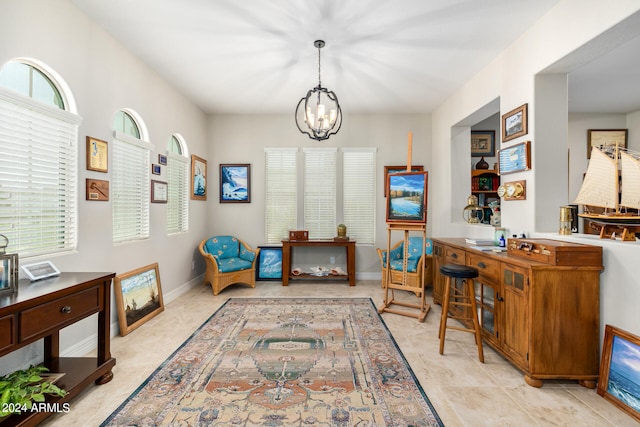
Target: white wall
<point>511,77</point>
<point>104,77</point>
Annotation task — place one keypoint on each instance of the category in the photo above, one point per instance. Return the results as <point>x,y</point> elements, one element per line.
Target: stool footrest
<point>460,328</point>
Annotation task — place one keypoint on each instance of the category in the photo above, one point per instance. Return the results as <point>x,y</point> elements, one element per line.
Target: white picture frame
<point>40,270</point>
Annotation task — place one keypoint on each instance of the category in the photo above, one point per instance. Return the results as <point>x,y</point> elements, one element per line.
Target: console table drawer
<point>454,255</point>
<point>488,268</point>
<point>7,334</point>
<point>59,313</point>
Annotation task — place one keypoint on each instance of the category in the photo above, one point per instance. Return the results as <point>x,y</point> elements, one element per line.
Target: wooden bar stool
<point>464,298</point>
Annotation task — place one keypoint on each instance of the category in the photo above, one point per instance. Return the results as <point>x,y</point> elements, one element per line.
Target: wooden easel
<point>406,228</point>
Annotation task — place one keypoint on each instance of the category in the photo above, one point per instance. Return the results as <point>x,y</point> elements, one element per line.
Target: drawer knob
<point>482,265</point>
<point>66,309</point>
<point>454,255</point>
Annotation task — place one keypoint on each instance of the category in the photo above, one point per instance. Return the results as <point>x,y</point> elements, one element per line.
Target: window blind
<point>38,176</point>
<point>178,186</point>
<point>359,193</point>
<point>130,188</point>
<point>320,192</point>
<point>281,193</point>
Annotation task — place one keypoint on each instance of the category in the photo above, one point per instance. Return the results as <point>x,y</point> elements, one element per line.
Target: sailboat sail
<point>600,185</point>
<point>630,181</point>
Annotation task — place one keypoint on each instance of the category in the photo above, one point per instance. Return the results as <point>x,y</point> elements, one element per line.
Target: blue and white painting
<point>407,200</point>
<point>270,264</point>
<point>234,183</point>
<point>624,372</point>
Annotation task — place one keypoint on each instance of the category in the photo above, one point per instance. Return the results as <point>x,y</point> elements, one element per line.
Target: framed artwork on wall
<point>269,266</point>
<point>162,159</point>
<point>97,189</point>
<point>514,123</point>
<point>235,183</point>
<point>515,158</point>
<point>606,138</point>
<point>97,155</point>
<point>138,297</point>
<point>619,380</point>
<point>159,192</point>
<point>198,178</point>
<point>483,143</point>
<point>407,197</point>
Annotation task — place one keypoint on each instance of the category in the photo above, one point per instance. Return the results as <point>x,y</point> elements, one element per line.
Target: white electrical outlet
<point>332,260</point>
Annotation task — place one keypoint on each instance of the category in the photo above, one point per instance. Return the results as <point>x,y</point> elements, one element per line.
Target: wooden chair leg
<point>474,316</point>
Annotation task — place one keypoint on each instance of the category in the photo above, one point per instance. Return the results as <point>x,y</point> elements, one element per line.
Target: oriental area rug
<point>283,362</point>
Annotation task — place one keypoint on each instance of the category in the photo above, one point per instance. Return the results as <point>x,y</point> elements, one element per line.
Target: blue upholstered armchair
<point>229,260</point>
<point>417,264</point>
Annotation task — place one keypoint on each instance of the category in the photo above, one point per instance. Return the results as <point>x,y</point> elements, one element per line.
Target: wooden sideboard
<point>349,245</point>
<point>40,310</point>
<point>544,318</point>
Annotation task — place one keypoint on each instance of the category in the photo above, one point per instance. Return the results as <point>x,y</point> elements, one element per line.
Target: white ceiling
<point>234,56</point>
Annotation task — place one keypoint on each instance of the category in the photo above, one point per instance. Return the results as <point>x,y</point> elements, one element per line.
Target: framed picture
<point>198,178</point>
<point>515,158</point>
<point>514,123</point>
<point>606,138</point>
<point>156,169</point>
<point>396,169</point>
<point>159,191</point>
<point>162,159</point>
<point>138,297</point>
<point>407,197</point>
<point>235,183</point>
<point>619,380</point>
<point>40,270</point>
<point>97,155</point>
<point>483,143</point>
<point>97,190</point>
<point>269,263</point>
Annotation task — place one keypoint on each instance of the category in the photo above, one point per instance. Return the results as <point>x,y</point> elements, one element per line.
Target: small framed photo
<point>407,197</point>
<point>269,263</point>
<point>396,169</point>
<point>97,190</point>
<point>97,155</point>
<point>514,123</point>
<point>159,192</point>
<point>483,143</point>
<point>40,270</point>
<point>198,178</point>
<point>515,158</point>
<point>606,138</point>
<point>162,159</point>
<point>619,380</point>
<point>156,169</point>
<point>138,297</point>
<point>235,183</point>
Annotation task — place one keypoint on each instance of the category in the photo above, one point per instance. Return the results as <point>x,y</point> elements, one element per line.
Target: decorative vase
<point>482,164</point>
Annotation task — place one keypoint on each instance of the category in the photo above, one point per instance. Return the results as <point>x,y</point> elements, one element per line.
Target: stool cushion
<point>459,271</point>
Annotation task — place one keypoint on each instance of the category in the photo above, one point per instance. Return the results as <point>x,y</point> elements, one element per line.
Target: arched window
<point>38,150</point>
<point>130,178</point>
<point>178,183</point>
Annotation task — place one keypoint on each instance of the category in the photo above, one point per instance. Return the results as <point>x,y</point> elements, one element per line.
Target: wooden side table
<point>287,249</point>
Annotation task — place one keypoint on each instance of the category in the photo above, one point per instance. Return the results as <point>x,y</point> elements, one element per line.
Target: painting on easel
<point>407,197</point>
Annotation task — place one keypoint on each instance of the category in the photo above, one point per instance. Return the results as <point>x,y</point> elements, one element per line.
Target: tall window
<point>38,151</point>
<point>130,180</point>
<point>359,193</point>
<point>320,192</point>
<point>178,183</point>
<point>281,192</point>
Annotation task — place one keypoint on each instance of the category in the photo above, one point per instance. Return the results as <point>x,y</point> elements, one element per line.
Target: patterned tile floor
<point>463,391</point>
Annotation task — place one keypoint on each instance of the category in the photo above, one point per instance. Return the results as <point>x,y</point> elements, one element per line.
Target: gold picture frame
<point>97,155</point>
<point>142,284</point>
<point>606,138</point>
<point>514,123</point>
<point>198,178</point>
<point>483,143</point>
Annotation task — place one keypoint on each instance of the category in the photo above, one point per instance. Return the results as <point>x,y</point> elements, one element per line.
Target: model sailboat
<point>602,187</point>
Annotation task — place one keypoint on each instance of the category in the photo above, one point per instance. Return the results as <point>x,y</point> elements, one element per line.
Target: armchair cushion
<point>226,265</point>
<point>415,252</point>
<point>247,255</point>
<point>221,247</point>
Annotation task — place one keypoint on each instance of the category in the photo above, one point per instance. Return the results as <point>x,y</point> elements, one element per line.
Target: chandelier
<point>318,114</point>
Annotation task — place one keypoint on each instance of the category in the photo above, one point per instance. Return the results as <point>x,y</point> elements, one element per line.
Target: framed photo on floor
<point>138,297</point>
<point>407,197</point>
<point>235,183</point>
<point>269,265</point>
<point>619,380</point>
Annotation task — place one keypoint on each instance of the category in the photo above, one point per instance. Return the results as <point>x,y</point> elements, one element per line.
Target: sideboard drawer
<point>488,268</point>
<point>454,255</point>
<point>59,313</point>
<point>7,333</point>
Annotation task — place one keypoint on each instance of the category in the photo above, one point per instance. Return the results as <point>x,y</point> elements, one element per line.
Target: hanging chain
<point>319,80</point>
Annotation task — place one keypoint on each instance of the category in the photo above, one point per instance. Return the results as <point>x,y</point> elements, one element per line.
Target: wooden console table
<point>349,245</point>
<point>40,310</point>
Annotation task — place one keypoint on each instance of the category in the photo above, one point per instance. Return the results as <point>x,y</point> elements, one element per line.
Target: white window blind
<point>38,176</point>
<point>281,192</point>
<point>178,186</point>
<point>320,192</point>
<point>359,193</point>
<point>130,188</point>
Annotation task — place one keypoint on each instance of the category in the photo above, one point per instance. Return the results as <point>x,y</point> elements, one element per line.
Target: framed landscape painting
<point>198,178</point>
<point>138,297</point>
<point>396,169</point>
<point>407,197</point>
<point>483,143</point>
<point>235,183</point>
<point>269,263</point>
<point>619,380</point>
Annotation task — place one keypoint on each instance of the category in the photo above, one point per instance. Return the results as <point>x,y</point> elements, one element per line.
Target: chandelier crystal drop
<point>318,115</point>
